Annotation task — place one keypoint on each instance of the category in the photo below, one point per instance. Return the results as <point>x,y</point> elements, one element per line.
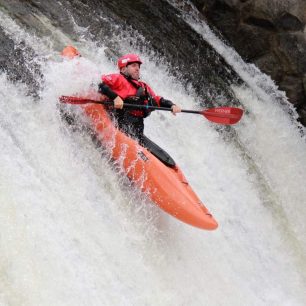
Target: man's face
<point>132,70</point>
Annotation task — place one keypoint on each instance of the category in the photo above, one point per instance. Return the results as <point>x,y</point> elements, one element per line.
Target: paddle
<point>221,115</point>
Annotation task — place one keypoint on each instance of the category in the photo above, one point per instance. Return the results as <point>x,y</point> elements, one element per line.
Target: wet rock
<point>270,34</point>
<point>157,27</point>
<point>288,22</point>
<point>153,26</point>
<point>292,52</point>
<point>293,86</point>
<point>17,61</point>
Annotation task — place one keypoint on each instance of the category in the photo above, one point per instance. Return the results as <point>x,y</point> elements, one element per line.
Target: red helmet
<point>70,52</point>
<point>124,60</point>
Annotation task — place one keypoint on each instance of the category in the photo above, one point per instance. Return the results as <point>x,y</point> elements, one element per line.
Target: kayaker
<point>127,87</point>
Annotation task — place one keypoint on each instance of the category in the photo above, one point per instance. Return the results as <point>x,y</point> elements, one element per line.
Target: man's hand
<point>175,109</point>
<point>118,102</point>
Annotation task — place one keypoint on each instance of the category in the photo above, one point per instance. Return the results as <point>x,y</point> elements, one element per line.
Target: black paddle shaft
<point>128,105</point>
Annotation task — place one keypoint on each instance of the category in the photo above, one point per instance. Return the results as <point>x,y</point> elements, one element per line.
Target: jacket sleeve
<point>105,90</point>
<point>111,80</point>
<point>165,103</point>
<point>109,83</point>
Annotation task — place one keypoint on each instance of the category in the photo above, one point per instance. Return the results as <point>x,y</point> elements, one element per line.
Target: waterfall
<point>74,232</point>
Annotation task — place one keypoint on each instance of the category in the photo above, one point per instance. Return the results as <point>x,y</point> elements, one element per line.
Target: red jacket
<point>123,88</point>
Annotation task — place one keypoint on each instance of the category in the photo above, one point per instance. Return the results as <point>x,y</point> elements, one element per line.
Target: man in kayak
<point>126,87</point>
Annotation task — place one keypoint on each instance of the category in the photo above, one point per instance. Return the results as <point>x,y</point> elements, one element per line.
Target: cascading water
<point>73,232</point>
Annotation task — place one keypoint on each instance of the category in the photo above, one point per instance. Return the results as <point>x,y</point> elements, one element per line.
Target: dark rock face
<point>271,34</point>
<point>162,31</point>
<point>12,61</point>
<point>155,26</point>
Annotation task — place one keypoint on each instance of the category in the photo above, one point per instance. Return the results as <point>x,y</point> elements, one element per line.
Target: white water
<point>72,232</point>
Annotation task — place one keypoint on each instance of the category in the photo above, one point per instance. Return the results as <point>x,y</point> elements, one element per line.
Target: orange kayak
<point>166,186</point>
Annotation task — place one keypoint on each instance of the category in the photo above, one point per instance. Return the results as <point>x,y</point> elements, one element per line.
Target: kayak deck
<point>165,186</point>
